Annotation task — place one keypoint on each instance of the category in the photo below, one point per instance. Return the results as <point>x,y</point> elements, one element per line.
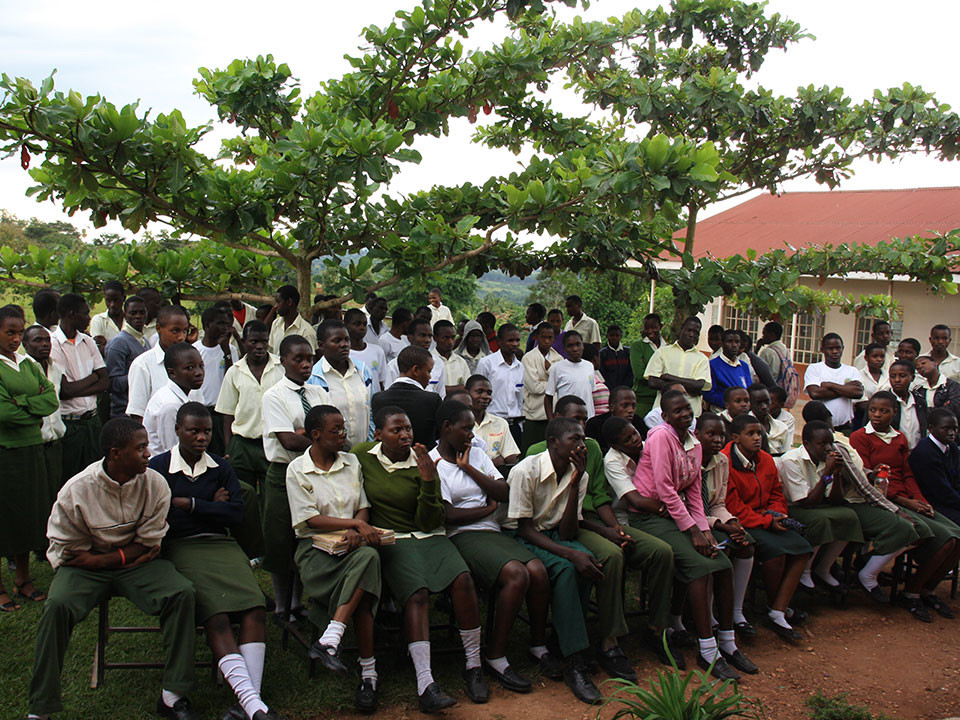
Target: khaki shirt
<point>102,324</point>
<point>674,360</point>
<point>537,493</point>
<point>798,474</point>
<point>311,491</point>
<point>241,395</point>
<point>282,411</point>
<point>94,512</point>
<point>279,330</point>
<point>457,370</point>
<point>950,367</point>
<point>717,473</point>
<point>495,433</point>
<point>587,327</point>
<point>779,436</point>
<point>535,376</point>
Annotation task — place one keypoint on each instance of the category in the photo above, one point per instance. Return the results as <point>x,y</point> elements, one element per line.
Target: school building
<point>803,219</point>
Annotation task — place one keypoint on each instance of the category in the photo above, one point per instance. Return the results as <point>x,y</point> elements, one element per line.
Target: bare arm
<point>294,442</point>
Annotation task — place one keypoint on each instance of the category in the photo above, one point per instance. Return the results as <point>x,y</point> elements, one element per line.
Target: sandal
<point>35,596</point>
<point>10,606</point>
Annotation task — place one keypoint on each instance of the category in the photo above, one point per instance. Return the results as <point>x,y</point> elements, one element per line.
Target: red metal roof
<point>800,219</point>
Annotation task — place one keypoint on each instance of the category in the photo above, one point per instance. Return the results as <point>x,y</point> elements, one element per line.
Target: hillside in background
<point>511,289</point>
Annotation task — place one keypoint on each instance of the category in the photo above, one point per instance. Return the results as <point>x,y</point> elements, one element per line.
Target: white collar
<point>388,464</point>
<point>179,465</point>
<point>887,436</point>
<point>405,379</point>
<point>178,391</point>
<point>618,348</point>
<point>732,363</point>
<point>311,466</point>
<point>649,342</point>
<point>943,448</point>
<point>15,364</point>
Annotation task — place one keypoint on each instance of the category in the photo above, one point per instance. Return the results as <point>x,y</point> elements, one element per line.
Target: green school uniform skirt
<point>280,543</point>
<point>413,564</point>
<point>941,528</point>
<point>828,523</point>
<point>331,581</point>
<point>487,551</point>
<point>771,544</point>
<point>53,463</point>
<point>688,563</point>
<point>887,532</point>
<point>220,573</point>
<point>24,500</point>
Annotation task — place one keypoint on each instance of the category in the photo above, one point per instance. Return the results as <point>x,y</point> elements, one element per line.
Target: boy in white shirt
<point>185,369</point>
<point>836,385</point>
<point>572,376</point>
<point>367,353</point>
<point>218,355</point>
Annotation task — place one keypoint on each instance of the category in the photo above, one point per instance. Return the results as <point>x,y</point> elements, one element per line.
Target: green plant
<point>836,707</point>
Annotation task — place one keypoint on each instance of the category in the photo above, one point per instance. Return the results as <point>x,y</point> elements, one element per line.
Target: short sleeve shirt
<point>282,411</point>
<point>312,491</point>
<point>78,358</point>
<point>818,373</point>
<point>462,491</point>
<point>572,378</point>
<point>496,436</point>
<point>537,493</point>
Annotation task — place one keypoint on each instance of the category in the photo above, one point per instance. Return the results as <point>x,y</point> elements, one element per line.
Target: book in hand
<point>334,542</point>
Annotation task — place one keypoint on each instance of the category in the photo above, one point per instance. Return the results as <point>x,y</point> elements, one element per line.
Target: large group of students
<point>366,464</point>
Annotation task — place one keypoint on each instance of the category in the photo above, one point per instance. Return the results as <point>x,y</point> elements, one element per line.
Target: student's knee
<point>418,600</point>
<point>464,584</point>
<point>218,625</point>
<point>659,553</point>
<point>744,552</point>
<point>537,572</point>
<point>514,576</point>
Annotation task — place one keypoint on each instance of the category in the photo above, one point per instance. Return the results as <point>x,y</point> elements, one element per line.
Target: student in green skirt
<point>472,490</point>
<point>807,474</point>
<point>205,501</point>
<point>26,398</point>
<point>669,471</point>
<point>325,492</point>
<point>283,410</point>
<point>401,485</point>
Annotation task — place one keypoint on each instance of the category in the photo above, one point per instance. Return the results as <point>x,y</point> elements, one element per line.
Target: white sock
<point>235,672</point>
<point>708,649</point>
<point>825,560</point>
<point>742,567</point>
<point>420,655</point>
<point>471,646</point>
<point>170,698</point>
<point>727,641</point>
<point>333,634</point>
<point>368,670</point>
<point>868,575</point>
<point>499,664</point>
<point>538,651</point>
<point>779,618</point>
<point>281,591</point>
<point>253,656</point>
<point>676,622</point>
<point>33,716</point>
<point>806,579</point>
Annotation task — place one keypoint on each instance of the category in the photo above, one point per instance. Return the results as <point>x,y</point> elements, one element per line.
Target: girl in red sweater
<point>879,444</point>
<point>755,496</point>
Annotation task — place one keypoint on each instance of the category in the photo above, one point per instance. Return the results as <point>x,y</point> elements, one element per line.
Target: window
<point>804,346</point>
<point>864,332</point>
<point>733,319</point>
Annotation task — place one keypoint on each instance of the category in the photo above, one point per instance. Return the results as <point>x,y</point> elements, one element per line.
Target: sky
<point>149,52</point>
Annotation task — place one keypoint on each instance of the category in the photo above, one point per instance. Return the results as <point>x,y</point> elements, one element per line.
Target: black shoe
<point>654,644</point>
<point>367,699</point>
<point>797,617</point>
<point>915,608</point>
<point>475,685</point>
<point>741,662</point>
<point>682,639</point>
<point>938,606</point>
<point>511,679</point>
<point>434,699</point>
<point>721,671</point>
<point>788,634</point>
<point>577,678</point>
<point>551,667</point>
<point>877,594</point>
<point>267,715</point>
<point>746,629</point>
<point>615,664</point>
<point>181,710</point>
<point>329,657</point>
<point>235,713</point>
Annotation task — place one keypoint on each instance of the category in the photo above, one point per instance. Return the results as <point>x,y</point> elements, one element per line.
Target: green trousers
<point>248,461</point>
<point>155,587</point>
<point>651,556</point>
<point>249,533</point>
<point>81,445</point>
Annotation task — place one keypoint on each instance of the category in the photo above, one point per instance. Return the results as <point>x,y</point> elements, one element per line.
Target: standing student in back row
<point>573,376</point>
<point>505,372</point>
<point>681,363</point>
<point>536,372</point>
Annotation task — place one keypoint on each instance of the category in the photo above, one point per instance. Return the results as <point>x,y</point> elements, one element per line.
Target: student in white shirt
<point>776,435</point>
<point>286,319</point>
<point>438,311</point>
<point>218,355</point>
<point>536,371</point>
<point>505,372</point>
<point>833,383</point>
<point>185,371</point>
<point>498,442</point>
<point>106,325</point>
<point>948,363</point>
<point>572,376</point>
<point>908,418</point>
<point>375,318</point>
<point>395,340</point>
<point>362,350</point>
<point>778,397</point>
<point>456,368</point>
<point>879,335</point>
<point>420,334</point>
<point>147,373</point>
<point>873,377</point>
<point>588,328</point>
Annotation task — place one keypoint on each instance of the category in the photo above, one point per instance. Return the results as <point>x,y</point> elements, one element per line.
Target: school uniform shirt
<point>313,491</point>
<point>391,347</point>
<point>535,376</point>
<point>438,376</point>
<point>669,471</point>
<point>725,373</point>
<point>888,448</point>
<point>119,355</point>
<point>160,417</point>
<point>507,383</point>
<point>950,366</point>
<point>779,439</point>
<point>150,329</point>
<point>214,370</point>
<point>462,491</point>
<point>798,474</point>
<point>587,327</point>
<point>247,312</point>
<point>53,427</point>
<point>456,369</point>
<point>909,421</point>
<point>787,418</point>
<point>716,476</point>
<point>282,411</point>
<point>103,325</point>
<point>840,408</point>
<point>94,512</point>
<point>619,469</point>
<point>373,359</point>
<point>930,391</point>
<point>872,386</point>
<point>147,375</point>
<point>241,395</point>
<point>860,361</point>
<point>773,355</point>
<point>372,336</point>
<point>655,417</point>
<point>77,358</point>
<point>442,312</point>
<point>279,330</point>
<point>674,360</point>
<point>573,378</point>
<point>537,493</point>
<point>351,394</point>
<point>497,438</point>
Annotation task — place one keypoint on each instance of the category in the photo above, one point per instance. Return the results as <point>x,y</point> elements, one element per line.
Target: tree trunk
<point>680,311</point>
<point>305,285</point>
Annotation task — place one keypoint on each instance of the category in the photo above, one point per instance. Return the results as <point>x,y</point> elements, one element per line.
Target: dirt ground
<point>881,656</point>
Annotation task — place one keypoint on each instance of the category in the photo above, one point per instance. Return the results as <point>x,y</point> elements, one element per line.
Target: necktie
<point>706,490</point>
<point>302,392</point>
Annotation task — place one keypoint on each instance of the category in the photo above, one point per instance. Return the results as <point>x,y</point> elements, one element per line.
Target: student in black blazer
<point>935,463</point>
<point>407,392</point>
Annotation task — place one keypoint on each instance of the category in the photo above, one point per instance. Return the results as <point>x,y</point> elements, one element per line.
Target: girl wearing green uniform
<point>26,397</point>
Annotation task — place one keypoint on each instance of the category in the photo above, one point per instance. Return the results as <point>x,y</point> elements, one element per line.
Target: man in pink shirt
<point>669,471</point>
